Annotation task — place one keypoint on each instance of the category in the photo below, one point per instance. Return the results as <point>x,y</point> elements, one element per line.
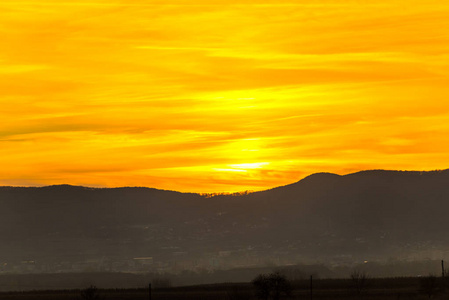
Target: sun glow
<point>220,96</point>
<point>250,166</point>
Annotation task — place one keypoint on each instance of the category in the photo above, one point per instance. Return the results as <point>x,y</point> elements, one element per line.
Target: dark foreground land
<point>376,288</point>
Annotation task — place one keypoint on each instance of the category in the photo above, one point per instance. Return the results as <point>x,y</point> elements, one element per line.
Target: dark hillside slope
<point>377,213</point>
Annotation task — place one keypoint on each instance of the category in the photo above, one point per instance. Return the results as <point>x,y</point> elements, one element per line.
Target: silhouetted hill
<point>324,217</point>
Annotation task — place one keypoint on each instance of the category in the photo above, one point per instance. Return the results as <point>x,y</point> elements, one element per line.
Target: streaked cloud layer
<point>220,95</point>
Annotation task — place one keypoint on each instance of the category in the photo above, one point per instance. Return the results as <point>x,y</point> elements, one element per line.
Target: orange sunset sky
<point>220,96</point>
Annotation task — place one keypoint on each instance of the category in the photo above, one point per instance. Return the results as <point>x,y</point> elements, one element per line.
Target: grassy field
<point>376,289</point>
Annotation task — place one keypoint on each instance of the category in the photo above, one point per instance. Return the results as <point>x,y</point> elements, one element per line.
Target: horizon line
<point>211,194</point>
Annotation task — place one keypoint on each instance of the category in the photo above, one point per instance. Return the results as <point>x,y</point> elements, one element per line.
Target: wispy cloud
<point>219,95</point>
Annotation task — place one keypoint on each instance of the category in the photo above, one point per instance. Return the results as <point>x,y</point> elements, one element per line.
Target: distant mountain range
<point>372,215</point>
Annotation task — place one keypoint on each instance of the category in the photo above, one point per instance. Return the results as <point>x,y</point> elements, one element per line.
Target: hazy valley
<point>373,217</point>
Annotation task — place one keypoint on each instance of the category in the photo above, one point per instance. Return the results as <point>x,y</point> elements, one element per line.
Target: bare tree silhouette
<point>429,285</point>
<point>359,282</point>
<point>90,293</point>
<point>271,286</point>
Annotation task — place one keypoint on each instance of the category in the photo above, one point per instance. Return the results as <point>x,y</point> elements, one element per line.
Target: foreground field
<point>376,289</point>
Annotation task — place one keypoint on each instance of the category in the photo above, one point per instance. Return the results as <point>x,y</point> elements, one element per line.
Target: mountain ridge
<point>372,215</point>
<point>308,177</point>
